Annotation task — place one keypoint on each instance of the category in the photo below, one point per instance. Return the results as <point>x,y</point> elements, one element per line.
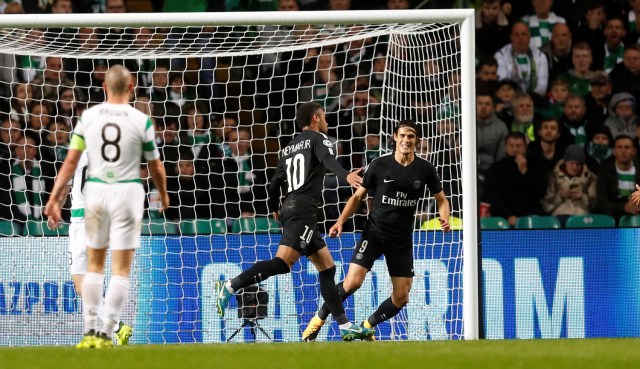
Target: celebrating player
<point>302,166</point>
<point>399,181</point>
<point>115,136</point>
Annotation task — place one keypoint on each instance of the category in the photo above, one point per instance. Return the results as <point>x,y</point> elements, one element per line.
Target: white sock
<point>91,299</point>
<point>346,325</point>
<point>227,285</point>
<point>114,301</point>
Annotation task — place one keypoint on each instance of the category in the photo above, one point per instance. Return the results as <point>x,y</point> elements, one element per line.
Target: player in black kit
<point>301,168</point>
<point>399,181</point>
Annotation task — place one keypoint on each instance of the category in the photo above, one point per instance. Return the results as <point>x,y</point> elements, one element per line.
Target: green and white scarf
<point>29,204</point>
<point>626,182</point>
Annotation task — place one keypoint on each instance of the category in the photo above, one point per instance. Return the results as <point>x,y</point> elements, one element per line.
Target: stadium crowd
<point>556,85</point>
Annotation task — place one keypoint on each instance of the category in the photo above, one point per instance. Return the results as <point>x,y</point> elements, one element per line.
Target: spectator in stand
<point>517,183</point>
<point>28,185</point>
<point>240,179</point>
<point>622,118</point>
<point>579,78</point>
<point>10,132</point>
<point>611,53</point>
<point>222,127</point>
<point>558,51</point>
<point>633,25</point>
<point>492,29</point>
<point>522,63</point>
<point>21,99</point>
<point>597,101</point>
<point>574,127</point>
<point>61,7</point>
<point>168,143</point>
<point>326,88</point>
<point>617,179</point>
<point>506,91</point>
<point>39,117</point>
<point>525,120</point>
<point>68,106</point>
<point>599,148</point>
<point>47,85</point>
<point>188,193</point>
<point>541,23</point>
<point>490,135</point>
<point>592,27</point>
<point>625,77</point>
<point>553,105</point>
<point>354,123</point>
<point>548,149</point>
<point>572,186</point>
<point>179,92</point>
<point>160,83</point>
<point>57,134</point>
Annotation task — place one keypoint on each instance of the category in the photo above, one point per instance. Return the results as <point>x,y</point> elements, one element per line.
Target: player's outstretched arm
<point>444,210</point>
<point>60,188</point>
<point>352,206</point>
<point>159,177</point>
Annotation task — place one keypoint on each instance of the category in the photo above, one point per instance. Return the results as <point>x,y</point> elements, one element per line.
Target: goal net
<point>223,97</point>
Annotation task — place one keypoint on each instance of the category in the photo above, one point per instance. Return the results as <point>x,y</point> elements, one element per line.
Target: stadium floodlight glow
<point>369,69</point>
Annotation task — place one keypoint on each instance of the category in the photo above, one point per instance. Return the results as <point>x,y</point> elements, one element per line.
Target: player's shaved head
<point>118,79</point>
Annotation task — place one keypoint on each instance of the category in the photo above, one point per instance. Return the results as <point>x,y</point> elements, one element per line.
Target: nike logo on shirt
<point>388,180</point>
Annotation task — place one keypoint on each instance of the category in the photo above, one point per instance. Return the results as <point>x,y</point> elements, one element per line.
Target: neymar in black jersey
<point>398,180</point>
<point>301,169</point>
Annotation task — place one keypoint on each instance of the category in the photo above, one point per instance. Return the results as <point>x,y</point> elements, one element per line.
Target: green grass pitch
<point>512,354</point>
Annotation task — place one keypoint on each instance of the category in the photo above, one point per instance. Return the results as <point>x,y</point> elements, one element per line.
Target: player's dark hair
<point>407,124</point>
<point>305,113</point>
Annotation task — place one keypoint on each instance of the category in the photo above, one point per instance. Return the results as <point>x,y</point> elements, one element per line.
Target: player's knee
<point>351,285</point>
<point>400,299</point>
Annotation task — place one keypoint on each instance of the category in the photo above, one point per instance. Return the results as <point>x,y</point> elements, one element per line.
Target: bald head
<point>118,80</point>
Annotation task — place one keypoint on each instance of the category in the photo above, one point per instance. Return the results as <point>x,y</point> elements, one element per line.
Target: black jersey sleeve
<point>323,148</point>
<point>369,177</point>
<point>275,187</point>
<point>432,178</point>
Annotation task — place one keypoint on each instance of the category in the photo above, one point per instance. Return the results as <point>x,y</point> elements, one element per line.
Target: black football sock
<point>259,272</point>
<point>331,295</point>
<point>323,313</point>
<point>386,310</point>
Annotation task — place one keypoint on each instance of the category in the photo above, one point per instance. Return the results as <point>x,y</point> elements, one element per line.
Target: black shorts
<point>398,255</point>
<point>300,233</point>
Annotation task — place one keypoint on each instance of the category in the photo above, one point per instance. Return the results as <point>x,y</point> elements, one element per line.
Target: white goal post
<point>242,74</point>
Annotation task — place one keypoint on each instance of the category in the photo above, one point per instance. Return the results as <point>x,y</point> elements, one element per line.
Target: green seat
<point>157,227</point>
<point>255,224</point>
<point>203,226</point>
<point>629,221</point>
<point>39,228</point>
<point>494,223</point>
<point>537,222</point>
<point>8,228</point>
<point>591,221</point>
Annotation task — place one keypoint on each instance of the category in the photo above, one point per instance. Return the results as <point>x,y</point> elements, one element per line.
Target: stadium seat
<point>39,228</point>
<point>8,228</point>
<point>455,223</point>
<point>203,226</point>
<point>157,227</point>
<point>255,224</point>
<point>494,223</point>
<point>628,221</point>
<point>591,221</point>
<point>537,222</point>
